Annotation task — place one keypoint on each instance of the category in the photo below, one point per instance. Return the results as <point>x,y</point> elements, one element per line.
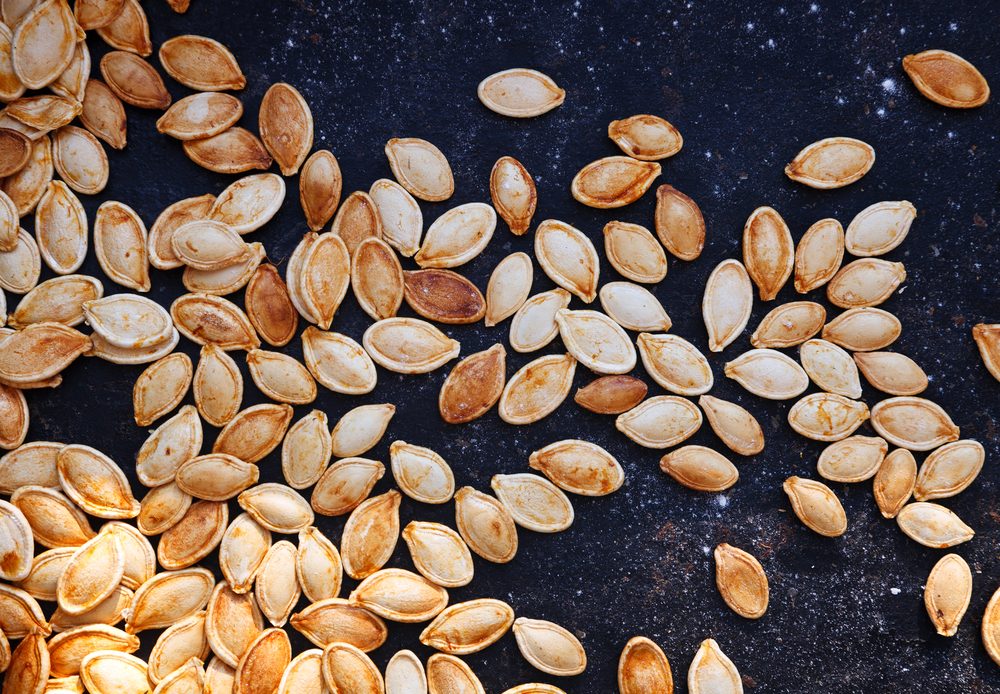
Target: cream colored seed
<point>768,251</point>
<point>304,674</point>
<point>830,368</point>
<point>596,341</point>
<point>129,30</point>
<point>948,593</point>
<point>473,386</point>
<point>200,115</point>
<point>120,243</point>
<point>892,373</point>
<point>20,268</point>
<point>865,282</point>
<point>854,459</point>
<point>336,620</point>
<point>579,467</point>
<point>537,389</point>
<point>446,673</point>
<point>26,187</point>
<point>914,423</point>
<point>513,193</point>
<point>348,669</point>
<point>400,596</point>
<point>675,364</point>
<point>568,257</point>
<point>357,220</point>
<point>700,468</point>
<point>278,508</point>
<point>933,525</point>
<point>205,319</point>
<point>457,236</point>
<point>104,672</point>
<point>949,470</point>
<point>508,288</point>
<point>879,228</point>
<point>306,450</point>
<point>894,482</point>
<point>43,578</point>
<point>377,278</point>
<point>486,525</point>
<point>338,362</point>
<point>254,432</point>
<point>421,168</point>
<point>58,300</point>
<point>520,93</point>
<point>769,374</point>
<point>737,428</point>
<point>727,303</point>
<point>324,276</point>
<point>79,159</point>
<point>833,162</point>
<point>634,252</point>
<point>634,307</point>
<point>409,345</point>
<point>140,559</point>
<point>95,483</point>
<point>613,181</point>
<point>60,228</point>
<point>232,622</point>
<point>789,325</point>
<point>68,649</point>
<point>18,545</point>
<point>320,186</point>
<point>103,113</point>
<point>276,586</point>
<point>318,567</point>
<point>534,502</point>
<point>109,612</point>
<point>421,473</point>
<point>360,429</point>
<point>229,279</point>
<point>468,627</point>
<point>660,422</point>
<point>947,79</point>
<point>370,535</point>
<point>219,676</point>
<point>218,386</point>
<point>741,581</point>
<point>161,250</point>
<point>990,630</point>
<point>818,255</point>
<point>402,220</point>
<point>281,377</point>
<point>439,553</point>
<point>550,647</point>
<point>827,417</point>
<point>129,321</point>
<point>201,64</point>
<point>22,614</point>
<point>344,485</point>
<point>161,387</point>
<point>646,137</point>
<point>30,464</point>
<point>176,646</point>
<point>816,506</point>
<point>249,203</point>
<point>43,43</point>
<point>242,552</point>
<point>92,574</point>
<point>216,476</point>
<point>208,245</point>
<point>712,672</point>
<point>534,324</point>
<point>642,668</point>
<point>987,338</point>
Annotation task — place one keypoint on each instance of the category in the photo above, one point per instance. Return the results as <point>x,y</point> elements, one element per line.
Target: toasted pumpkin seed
<point>579,467</point>
<point>769,374</point>
<point>92,574</point>
<point>863,329</point>
<point>44,113</point>
<point>473,386</point>
<point>20,268</point>
<point>345,484</point>
<point>140,559</point>
<point>128,30</point>
<point>987,339</point>
<point>134,81</point>
<point>613,181</point>
<point>320,184</point>
<point>304,674</point>
<point>254,432</point>
<point>323,278</point>
<point>933,525</point>
<point>269,307</point>
<point>634,252</point>
<point>95,483</point>
<point>216,476</point>
<point>447,673</point>
<point>817,506</point>
<point>194,536</point>
<point>31,464</point>
<point>741,581</point>
<point>249,203</point>
<point>949,470</point>
<point>200,115</point>
<point>53,519</point>
<point>443,296</point>
<point>276,586</point>
<point>712,671</point>
<point>278,508</point>
<point>242,551</point>
<point>879,228</point>
<point>646,137</point>
<point>336,620</point>
<point>120,243</point>
<point>28,668</point>
<point>61,229</point>
<point>818,255</point>
<point>404,674</point>
<point>768,251</point>
<point>232,622</point>
<point>9,216</point>
<point>948,593</point>
<point>633,307</point>
<point>79,159</point>
<point>990,630</point>
<point>400,217</point>
<point>201,63</point>
<point>439,553</point>
<point>408,345</point>
<point>947,79</point>
<point>205,319</point>
<point>162,508</point>
<point>68,649</point>
<point>286,126</point>
<point>457,236</point>
<point>39,352</point>
<point>219,676</point>
<point>129,321</point>
<point>262,665</point>
<point>15,147</point>
<point>21,613</point>
<point>118,355</point>
<point>161,387</point>
<point>160,241</point>
<point>421,168</point>
<point>318,567</point>
<point>568,257</point>
<point>360,429</point>
<point>549,647</point>
<point>109,612</point>
<point>827,417</point>
<point>891,372</point>
<point>513,192</point>
<point>175,442</point>
<point>508,288</point>
<point>700,468</point>
<point>58,300</point>
<point>377,278</point>
<point>26,187</point>
<point>727,303</point>
<point>306,450</point>
<point>486,525</point>
<point>93,14</point>
<point>218,386</point>
<point>675,364</point>
<point>831,368</point>
<point>534,502</point>
<point>914,423</point>
<point>894,482</point>
<point>642,668</point>
<point>865,282</point>
<point>468,627</point>
<point>520,93</point>
<point>737,428</point>
<point>853,459</point>
<point>833,162</point>
<point>400,596</point>
<point>789,325</point>
<point>103,113</point>
<point>225,280</point>
<point>611,394</point>
<point>167,598</point>
<point>338,362</point>
<point>534,324</point>
<point>103,672</point>
<point>179,644</point>
<point>280,377</point>
<point>421,473</point>
<point>370,535</point>
<point>43,43</point>
<point>234,150</point>
<point>596,341</point>
<point>18,544</point>
<point>679,223</point>
<point>537,389</point>
<point>206,244</point>
<point>347,668</point>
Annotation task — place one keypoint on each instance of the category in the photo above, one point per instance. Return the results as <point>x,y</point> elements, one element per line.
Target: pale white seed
<point>675,364</point>
<point>827,417</point>
<point>242,551</point>
<point>634,307</point>
<point>370,535</point>
<point>468,627</point>
<point>486,525</point>
<point>508,288</point>
<point>421,473</point>
<point>660,422</point>
<point>712,672</point>
<point>404,674</point>
<point>249,203</point>
<point>596,341</point>
<point>818,255</point>
<point>737,428</point>
<point>172,444</point>
<point>276,507</point>
<point>949,470</point>
<point>769,374</point>
<point>360,429</point>
<point>634,252</point>
<point>550,647</point>
<point>948,593</point>
<point>318,567</point>
<point>457,236</point>
<point>409,345</point>
<point>863,329</point>
<point>727,303</point>
<point>879,228</point>
<point>892,373</point>
<point>854,459</point>
<point>568,257</point>
<point>439,553</point>
<point>833,162</point>
<point>337,362</point>
<point>281,377</point>
<point>520,93</point>
<point>534,324</point>
<point>402,220</point>
<point>306,450</point>
<point>933,525</point>
<point>830,368</point>
<point>534,502</point>
<point>276,586</point>
<point>789,325</point>
<point>913,423</point>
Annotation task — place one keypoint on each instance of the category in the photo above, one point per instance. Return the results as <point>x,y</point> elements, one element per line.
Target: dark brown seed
<point>679,223</point>
<point>611,394</point>
<point>269,306</point>
<point>443,296</point>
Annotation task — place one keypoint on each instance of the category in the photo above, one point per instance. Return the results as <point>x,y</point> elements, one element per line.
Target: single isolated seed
<point>508,288</point>
<point>596,341</point>
<point>513,193</point>
<point>306,450</point>
<point>741,581</point>
<point>675,364</point>
<point>833,162</point>
<point>400,215</point>
<point>947,79</point>
<point>948,593</point>
<point>865,282</point>
<point>549,647</point>
<point>712,672</point>
<point>646,137</point>
<point>818,255</point>
<point>894,482</point>
<point>568,257</point>
<point>613,181</point>
<point>727,303</point>
<point>933,525</point>
<point>699,468</point>
<point>611,394</point>
<point>642,668</point>
<point>486,525</point>
<point>520,93</point>
<point>817,506</point>
<point>768,251</point>
<point>421,473</point>
<point>457,236</point>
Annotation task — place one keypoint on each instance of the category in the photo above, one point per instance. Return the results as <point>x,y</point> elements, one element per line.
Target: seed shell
<point>336,620</point>
<point>990,630</point>
<point>278,508</point>
<point>549,647</point>
<point>242,550</point>
<point>79,159</point>
<point>409,345</point>
<point>320,185</point>
<point>218,386</point>
<point>401,219</point>
<point>894,482</point>
<point>18,545</point>
<point>443,296</point>
<point>57,300</point>
<point>646,137</point>
<point>827,417</point>
<point>737,428</point>
<point>439,553</point>
<point>854,459</point>
<point>579,467</point>
<point>254,432</point>
<point>468,627</point>
<point>741,581</point>
<point>161,387</point>
<point>28,666</point>
<point>634,252</point>
<point>863,329</point>
<point>727,303</point>
<point>286,126</point>
<point>768,251</point>
<point>30,464</point>
<point>370,535</point>
<point>568,257</point>
<point>913,423</point>
<point>634,307</point>
<point>26,187</point>
<point>269,307</point>
<point>611,394</point>
<point>161,250</point>
<point>833,162</point>
<point>120,243</point>
<point>891,372</point>
<point>134,81</point>
<point>987,339</point>
<point>712,671</point>
<point>675,364</point>
<point>200,115</point>
<point>613,181</point>
<point>473,386</point>
<point>520,93</point>
<point>93,573</point>
<point>830,368</point>
<point>249,203</point>
<point>534,324</point>
<point>22,615</point>
<point>264,662</point>
<point>54,520</point>
<point>167,598</point>
<point>816,506</point>
<point>15,147</point>
<point>660,422</point>
<point>216,476</point>
<point>948,593</point>
<point>43,43</point>
<point>207,319</point>
<point>347,669</point>
<point>306,450</point>
<point>175,442</point>
<point>949,470</point>
<point>933,525</point>
<point>378,279</point>
<point>162,508</point>
<point>61,229</point>
<point>234,150</point>
<point>537,389</point>
<point>486,525</point>
<point>129,30</point>
<point>345,484</point>
<point>596,341</point>
<point>679,223</point>
<point>404,674</point>
<point>39,352</point>
<point>818,255</point>
<point>700,468</point>
<point>421,473</point>
<point>642,668</point>
<point>276,587</point>
<point>769,374</point>
<point>103,114</point>
<point>508,288</point>
<point>95,483</point>
<point>318,567</point>
<point>879,228</point>
<point>789,325</point>
<point>201,63</point>
<point>420,168</point>
<point>323,278</point>
<point>534,502</point>
<point>232,622</point>
<point>20,268</point>
<point>457,236</point>
<point>400,596</point>
<point>357,220</point>
<point>281,377</point>
<point>947,79</point>
<point>513,193</point>
<point>194,536</point>
<point>865,282</point>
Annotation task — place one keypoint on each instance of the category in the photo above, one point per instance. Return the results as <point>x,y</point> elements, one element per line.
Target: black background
<point>748,85</point>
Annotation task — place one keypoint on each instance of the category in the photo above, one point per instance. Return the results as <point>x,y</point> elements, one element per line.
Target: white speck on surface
<point>771,43</point>
<point>722,501</point>
<point>889,85</point>
<point>895,591</point>
<point>953,26</point>
<point>750,26</point>
<point>880,112</point>
<point>813,8</point>
<point>707,550</point>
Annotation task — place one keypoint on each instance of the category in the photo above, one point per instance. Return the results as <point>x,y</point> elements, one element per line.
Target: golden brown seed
<point>520,93</point>
<point>161,387</point>
<point>421,473</point>
<point>816,506</point>
<point>338,362</point>
<point>26,187</point>
<point>269,308</point>
<point>39,352</point>
<point>446,673</point>
<point>234,150</point>
<point>768,373</point>
<point>67,650</point>
<point>400,596</point>
<point>948,592</point>
<point>254,432</point>
<point>611,394</point>
<point>891,372</point>
<point>737,428</point>
<point>103,114</point>
<point>634,252</point>
<point>347,669</point>
<point>22,614</point>
<point>206,319</point>
<point>242,551</point>
<point>28,669</point>
<point>579,467</point>
<point>162,508</point>
<point>306,450</point>
<point>486,525</point>
<point>421,168</point>
<point>439,553</point>
<point>120,242</point>
<point>278,508</point>
<point>304,674</point>
<point>675,364</point>
<point>377,278</point>
<point>854,459</point>
<point>947,79</point>
<point>320,184</point>
<point>232,622</point>
<point>161,250</point>
<point>679,223</point>
<point>990,630</point>
<point>646,137</point>
<point>18,545</point>
<point>55,521</point>
<point>262,665</point>
<point>169,597</point>
<point>201,63</point>
<point>357,220</point>
<point>727,303</point>
<point>468,627</point>
<point>281,377</point>
<point>879,228</point>
<point>987,338</point>
<point>473,386</point>
<point>318,567</point>
<point>324,277</point>
<point>129,30</point>
<point>43,113</point>
<point>568,257</point>
<point>218,386</point>
<point>14,417</point>
<point>642,668</point>
<point>345,484</point>
<point>596,341</point>
<point>194,536</point>
<point>216,476</point>
<point>336,620</point>
<point>42,580</point>
<point>93,573</point>
<point>768,251</point>
<point>613,181</point>
<point>534,502</point>
<point>700,468</point>
<point>457,236</point>
<point>43,43</point>
<point>370,535</point>
<point>833,162</point>
<point>442,296</point>
<point>93,14</point>
<point>537,389</point>
<point>827,417</point>
<point>15,149</point>
<point>181,643</point>
<point>914,423</point>
<point>513,193</point>
<point>95,483</point>
<point>818,255</point>
<point>286,126</point>
<point>249,202</point>
<point>789,325</point>
<point>200,115</point>
<point>134,81</point>
<point>61,229</point>
<point>20,268</point>
<point>741,581</point>
<point>865,282</point>
<point>894,482</point>
<point>949,470</point>
<point>933,525</point>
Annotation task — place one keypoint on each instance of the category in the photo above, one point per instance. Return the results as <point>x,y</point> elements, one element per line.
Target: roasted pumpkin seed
<point>891,372</point>
<point>789,325</point>
<point>120,243</point>
<point>345,484</point>
<point>92,574</point>
<point>817,506</point>
<point>741,581</point>
<point>486,525</point>
<point>264,662</point>
<point>401,219</point>
<point>286,126</point>
<point>987,339</point>
<point>194,536</point>
<point>278,508</point>
<point>833,162</point>
<point>306,450</point>
<point>338,362</point>
<point>404,674</point>
<point>242,551</point>
<point>232,622</point>
<point>103,114</point>
<point>949,470</point>
<point>660,422</point>
<point>173,443</point>
<point>879,228</point>
<point>830,368</point>
<point>634,252</point>
<point>613,181</point>
<point>200,115</point>
<point>320,185</point>
<point>727,303</point>
<point>768,251</point>
<point>43,43</point>
<point>712,672</point>
<point>675,363</point>
<point>134,81</point>
<point>201,63</point>
<point>18,544</point>
<point>642,668</point>
<point>421,473</point>
<point>474,385</point>
<point>854,459</point>
<point>913,423</point>
<point>513,193</point>
<point>167,598</point>
<point>439,553</point>
<point>276,586</point>
<point>304,674</point>
<point>933,525</point>
<point>216,476</point>
<point>79,159</point>
<point>769,374</point>
<point>468,627</point>
<point>207,319</point>
<point>234,150</point>
<point>520,93</point>
<point>534,324</point>
<point>335,620</point>
<point>218,386</point>
<point>20,268</point>
<point>370,535</point>
<point>534,502</point>
<point>633,307</point>
<point>894,482</point>
<point>865,282</point>
<point>537,389</point>
<point>646,137</point>
<point>400,596</point>
<point>95,483</point>
<point>579,467</point>
<point>420,168</point>
<point>61,229</point>
<point>318,567</point>
<point>54,520</point>
<point>700,468</point>
<point>827,417</point>
<point>549,647</point>
<point>568,257</point>
<point>58,300</point>
<point>26,187</point>
<point>863,329</point>
<point>947,79</point>
<point>15,147</point>
<point>254,432</point>
<point>611,394</point>
<point>947,594</point>
<point>818,255</point>
<point>409,345</point>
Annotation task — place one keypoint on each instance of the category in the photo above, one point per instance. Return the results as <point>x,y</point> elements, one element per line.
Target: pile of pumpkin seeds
<point>229,634</point>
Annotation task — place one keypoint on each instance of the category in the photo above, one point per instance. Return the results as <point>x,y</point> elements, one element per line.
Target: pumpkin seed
<point>404,674</point>
<point>769,374</point>
<point>190,676</point>
<point>508,288</point>
<point>39,352</point>
<point>408,345</point>
<point>9,224</point>
<point>335,620</point>
<point>18,544</point>
<point>914,423</point>
<point>179,644</point>
<point>269,307</point>
<point>219,676</point>
<point>338,362</point>
<point>161,387</point>
<point>457,236</point>
<point>660,422</point>
<point>421,473</point>
<point>370,535</point>
<point>318,567</point>
<point>200,115</point>
<point>175,442</point>
<point>120,243</point>
<point>103,113</point>
<point>827,417</point>
<point>357,220</point>
<point>58,300</point>
<point>611,394</point>
<point>20,268</point>
<point>109,612</point>
<point>201,63</point>
<point>129,321</point>
<point>28,670</point>
<point>206,319</point>
<point>892,373</point>
<point>320,184</point>
<point>242,551</point>
<point>833,162</point>
<point>262,665</point>
<point>10,85</point>
<point>304,674</point>
<point>26,187</point>
<point>44,113</point>
<point>128,30</point>
<point>863,329</point>
<point>712,671</point>
<point>43,43</point>
<point>216,476</point>
<point>633,307</point>
<point>80,160</point>
<point>254,432</point>
<point>568,257</point>
<point>473,386</point>
<point>306,450</point>
<point>218,386</point>
<point>991,627</point>
<point>579,467</point>
<point>160,241</point>
<point>68,649</point>
<point>286,126</point>
<point>741,581</point>
<point>768,251</point>
<point>167,598</point>
<point>345,484</point>
<point>446,673</point>
<point>103,672</point>
<point>534,502</point>
<point>21,613</point>
<point>789,325</point>
<point>439,553</point>
<point>324,276</point>
<point>95,483</point>
<point>646,137</point>
<point>817,506</point>
<point>987,339</point>
<point>358,430</point>
<point>513,192</point>
<point>278,508</point>
<point>400,596</point>
<point>234,150</point>
<point>831,368</point>
<point>468,627</point>
<point>549,647</point>
<point>134,81</point>
<point>949,470</point>
<point>61,229</point>
<point>277,588</point>
<point>818,255</point>
<point>421,168</point>
<point>879,228</point>
<point>140,560</point>
<point>93,14</point>
<point>196,535</point>
<point>596,341</point>
<point>613,181</point>
<point>894,482</point>
<point>232,622</point>
<point>537,389</point>
<point>92,574</point>
<point>346,668</point>
<point>865,282</point>
<point>947,594</point>
<point>31,464</point>
<point>854,459</point>
<point>727,303</point>
<point>443,296</point>
<point>520,93</point>
<point>280,377</point>
<point>737,428</point>
<point>208,245</point>
<point>947,79</point>
<point>46,568</point>
<point>486,525</point>
<point>700,468</point>
<point>642,668</point>
<point>249,203</point>
<point>933,525</point>
<point>634,252</point>
<point>401,219</point>
<point>54,520</point>
<point>675,364</point>
<point>534,324</point>
<point>377,278</point>
<point>162,508</point>
<point>679,223</point>
<point>225,280</point>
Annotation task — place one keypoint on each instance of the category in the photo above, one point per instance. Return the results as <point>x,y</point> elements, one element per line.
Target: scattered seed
<point>200,115</point>
<point>891,372</point>
<point>92,574</point>
<point>242,551</point>
<point>134,81</point>
<point>264,662</point>
<point>163,508</point>
<point>370,535</point>
<point>473,386</point>
<point>646,137</point>
<point>863,329</point>
<point>894,482</point>
<point>120,243</point>
<point>95,483</point>
<point>727,303</point>
<point>947,79</point>
<point>818,255</point>
<point>568,257</point>
<point>537,389</point>
<point>22,613</point>
<point>879,228</point>
<point>817,506</point>
<point>320,184</point>
<point>634,307</point>
<point>611,394</point>
<point>768,251</point>
<point>534,324</point>
<point>18,544</point>
<point>103,113</point>
<point>990,630</point>
<point>700,468</point>
<point>827,417</point>
<point>28,668</point>
<point>346,668</point>
<point>201,63</point>
<point>675,364</point>
<point>318,567</point>
<point>336,620</point>
<point>642,668</point>
<point>43,43</point>
<point>830,368</point>
<point>421,473</point>
<point>232,622</point>
<point>128,30</point>
<point>401,219</point>
<point>194,536</point>
<point>58,300</point>
<point>854,459</point>
<point>913,423</point>
<point>276,587</point>
<point>404,674</point>
<point>60,228</point>
<point>579,467</point>
<point>421,168</point>
<point>218,386</point>
<point>948,593</point>
<point>20,268</point>
<point>254,432</point>
<point>167,598</point>
<point>737,428</point>
<point>31,464</point>
<point>549,647</point>
<point>357,219</point>
<point>596,341</point>
<point>103,672</point>
<point>987,339</point>
<point>14,417</point>
<point>486,525</point>
<point>160,388</point>
<point>439,553</point>
<point>613,181</point>
<point>129,321</point>
<point>949,470</point>
<point>400,596</point>
<point>634,252</point>
<point>46,568</point>
<point>345,484</point>
<point>468,627</point>
<point>377,278</point>
<point>39,352</point>
<point>409,345</point>
<point>55,520</point>
<point>446,673</point>
<point>660,422</point>
<point>534,502</point>
<point>161,250</point>
<point>26,187</point>
<point>513,193</point>
<point>712,671</point>
<point>769,374</point>
<point>679,223</point>
<point>179,644</point>
<point>306,450</point>
<point>286,126</point>
<point>933,525</point>
<point>234,150</point>
<point>325,275</point>
<point>520,93</point>
<point>833,162</point>
<point>789,325</point>
<point>206,319</point>
<point>865,282</point>
<point>741,581</point>
<point>249,203</point>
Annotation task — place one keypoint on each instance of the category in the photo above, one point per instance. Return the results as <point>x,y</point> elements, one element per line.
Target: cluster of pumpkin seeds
<point>229,634</point>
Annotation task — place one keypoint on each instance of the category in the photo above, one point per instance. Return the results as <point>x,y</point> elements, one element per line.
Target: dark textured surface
<point>747,88</point>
